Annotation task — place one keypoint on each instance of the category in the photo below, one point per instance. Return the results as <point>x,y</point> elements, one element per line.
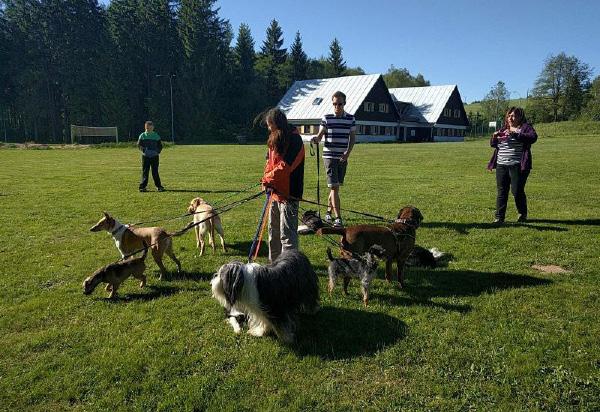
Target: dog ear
<point>233,281</point>
<point>106,215</point>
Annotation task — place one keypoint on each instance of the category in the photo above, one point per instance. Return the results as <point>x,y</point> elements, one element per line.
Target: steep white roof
<point>427,102</point>
<point>298,102</point>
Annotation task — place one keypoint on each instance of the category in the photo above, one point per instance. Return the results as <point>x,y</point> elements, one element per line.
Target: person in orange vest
<point>284,177</point>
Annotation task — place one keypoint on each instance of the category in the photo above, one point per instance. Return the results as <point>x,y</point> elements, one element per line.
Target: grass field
<point>487,332</point>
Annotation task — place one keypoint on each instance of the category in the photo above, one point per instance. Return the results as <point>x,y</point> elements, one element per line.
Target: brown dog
<point>115,273</point>
<point>203,212</point>
<point>398,239</point>
<point>131,239</point>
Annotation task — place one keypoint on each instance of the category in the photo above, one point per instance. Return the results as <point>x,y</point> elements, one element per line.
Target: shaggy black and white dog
<point>269,296</point>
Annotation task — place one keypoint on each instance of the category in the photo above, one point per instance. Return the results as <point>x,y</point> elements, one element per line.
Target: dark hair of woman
<point>519,116</point>
<point>278,138</point>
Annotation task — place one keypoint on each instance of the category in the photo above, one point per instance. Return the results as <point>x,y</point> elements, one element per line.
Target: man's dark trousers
<point>147,163</point>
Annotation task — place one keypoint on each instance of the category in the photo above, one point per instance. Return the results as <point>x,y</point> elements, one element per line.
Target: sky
<point>471,43</point>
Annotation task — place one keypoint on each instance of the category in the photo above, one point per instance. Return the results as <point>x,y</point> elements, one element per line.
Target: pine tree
<point>245,55</point>
<point>270,65</point>
<point>272,44</point>
<point>299,60</point>
<point>336,62</point>
<point>246,94</point>
<point>207,64</point>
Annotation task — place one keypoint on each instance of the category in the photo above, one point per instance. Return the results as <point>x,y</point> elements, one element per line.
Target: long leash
<point>222,210</point>
<point>215,207</point>
<point>312,153</point>
<point>256,241</point>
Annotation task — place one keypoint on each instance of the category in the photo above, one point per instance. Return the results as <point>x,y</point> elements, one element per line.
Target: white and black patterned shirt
<point>510,151</point>
<point>338,134</point>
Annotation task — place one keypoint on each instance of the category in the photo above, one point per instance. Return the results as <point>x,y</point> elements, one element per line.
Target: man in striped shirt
<point>339,130</point>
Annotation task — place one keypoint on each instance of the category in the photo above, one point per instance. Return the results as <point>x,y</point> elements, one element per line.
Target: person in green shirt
<point>150,144</point>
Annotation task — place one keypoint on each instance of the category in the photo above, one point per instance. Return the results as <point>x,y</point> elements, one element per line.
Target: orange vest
<point>277,173</point>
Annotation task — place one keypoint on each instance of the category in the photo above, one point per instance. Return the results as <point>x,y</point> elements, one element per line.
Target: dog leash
<point>193,213</point>
<point>312,153</point>
<point>256,241</point>
<point>190,225</point>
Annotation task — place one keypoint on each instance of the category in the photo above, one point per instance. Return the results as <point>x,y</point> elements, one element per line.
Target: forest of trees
<point>564,90</point>
<point>66,62</point>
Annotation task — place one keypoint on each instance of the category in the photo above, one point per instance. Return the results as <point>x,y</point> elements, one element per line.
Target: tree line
<point>564,90</point>
<point>69,62</point>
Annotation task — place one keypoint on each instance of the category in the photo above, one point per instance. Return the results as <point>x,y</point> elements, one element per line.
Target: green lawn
<point>487,332</point>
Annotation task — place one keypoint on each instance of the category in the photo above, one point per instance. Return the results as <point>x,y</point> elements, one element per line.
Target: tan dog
<point>131,239</point>
<point>397,239</point>
<point>115,273</point>
<point>203,212</point>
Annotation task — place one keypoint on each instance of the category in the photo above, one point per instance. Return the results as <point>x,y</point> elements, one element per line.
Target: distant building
<point>367,98</point>
<point>430,113</point>
<point>411,114</point>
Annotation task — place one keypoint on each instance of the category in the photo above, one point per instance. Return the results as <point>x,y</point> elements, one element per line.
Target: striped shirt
<point>338,134</point>
<point>510,150</point>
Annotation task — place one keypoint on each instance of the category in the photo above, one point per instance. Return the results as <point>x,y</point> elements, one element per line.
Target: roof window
<point>317,101</point>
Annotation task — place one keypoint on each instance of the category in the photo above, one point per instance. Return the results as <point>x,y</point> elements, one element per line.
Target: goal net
<point>92,135</point>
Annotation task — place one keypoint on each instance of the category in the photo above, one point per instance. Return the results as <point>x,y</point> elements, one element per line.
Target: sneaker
<point>338,222</point>
<point>160,189</point>
<point>328,218</point>
<point>522,218</point>
<point>498,221</point>
<point>143,189</point>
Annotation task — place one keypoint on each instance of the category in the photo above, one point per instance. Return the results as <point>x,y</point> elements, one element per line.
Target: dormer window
<point>317,101</point>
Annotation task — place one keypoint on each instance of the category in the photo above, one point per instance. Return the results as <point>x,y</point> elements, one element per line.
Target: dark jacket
<point>527,136</point>
<point>285,173</point>
<point>150,144</point>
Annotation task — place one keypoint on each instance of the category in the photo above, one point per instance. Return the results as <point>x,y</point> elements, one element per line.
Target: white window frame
<point>384,108</point>
<point>457,113</point>
<point>369,107</point>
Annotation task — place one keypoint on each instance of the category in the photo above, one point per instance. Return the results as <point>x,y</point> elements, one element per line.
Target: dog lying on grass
<point>363,267</point>
<point>115,273</point>
<point>270,296</point>
<point>131,239</point>
<point>398,239</point>
<point>203,212</point>
<point>430,258</point>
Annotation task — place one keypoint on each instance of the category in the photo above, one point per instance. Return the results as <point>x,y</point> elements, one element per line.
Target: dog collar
<point>408,222</point>
<point>118,229</point>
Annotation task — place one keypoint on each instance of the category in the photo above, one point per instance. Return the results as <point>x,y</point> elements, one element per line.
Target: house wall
<point>454,107</point>
<point>378,94</point>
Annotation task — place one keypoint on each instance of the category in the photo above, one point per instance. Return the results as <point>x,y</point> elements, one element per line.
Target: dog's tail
<point>329,255</point>
<point>331,231</point>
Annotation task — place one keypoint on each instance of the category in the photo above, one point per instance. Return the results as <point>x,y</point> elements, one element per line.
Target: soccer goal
<point>91,134</point>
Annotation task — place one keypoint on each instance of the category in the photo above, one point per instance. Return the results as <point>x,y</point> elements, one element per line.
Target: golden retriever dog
<point>115,273</point>
<point>130,239</point>
<point>203,212</point>
<point>398,239</point>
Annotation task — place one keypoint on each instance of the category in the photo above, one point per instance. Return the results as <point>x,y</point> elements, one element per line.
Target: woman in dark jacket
<point>284,177</point>
<point>512,161</point>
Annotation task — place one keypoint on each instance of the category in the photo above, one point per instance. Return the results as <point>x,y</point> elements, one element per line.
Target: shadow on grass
<point>149,292</point>
<point>336,333</point>
<point>574,222</point>
<point>463,228</point>
<point>195,276</point>
<point>424,285</point>
<point>243,248</point>
<point>200,191</point>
